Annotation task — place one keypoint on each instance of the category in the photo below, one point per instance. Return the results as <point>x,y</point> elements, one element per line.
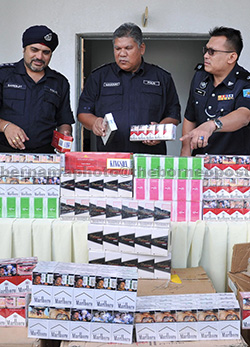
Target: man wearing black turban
<point>34,99</point>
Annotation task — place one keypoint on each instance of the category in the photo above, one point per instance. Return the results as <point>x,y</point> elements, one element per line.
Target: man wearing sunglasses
<point>217,115</point>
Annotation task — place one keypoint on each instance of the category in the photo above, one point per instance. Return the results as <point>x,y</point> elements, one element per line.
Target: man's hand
<point>151,142</point>
<point>65,129</point>
<point>98,127</point>
<point>199,136</point>
<point>15,136</point>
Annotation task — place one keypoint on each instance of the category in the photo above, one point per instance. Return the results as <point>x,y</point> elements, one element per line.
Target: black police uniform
<point>37,108</point>
<point>133,98</point>
<point>207,102</point>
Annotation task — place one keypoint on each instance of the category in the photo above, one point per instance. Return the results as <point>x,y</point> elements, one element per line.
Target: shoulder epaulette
<point>100,67</point>
<point>7,65</point>
<point>243,75</point>
<point>199,67</point>
<point>160,67</point>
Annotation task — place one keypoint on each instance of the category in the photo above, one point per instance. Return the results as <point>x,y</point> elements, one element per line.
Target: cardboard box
<point>237,280</point>
<point>193,280</point>
<point>229,343</point>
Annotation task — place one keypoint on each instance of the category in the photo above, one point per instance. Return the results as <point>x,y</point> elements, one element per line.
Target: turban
<point>40,34</point>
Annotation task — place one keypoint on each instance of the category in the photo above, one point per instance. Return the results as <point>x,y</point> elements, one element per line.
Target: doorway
<point>178,54</point>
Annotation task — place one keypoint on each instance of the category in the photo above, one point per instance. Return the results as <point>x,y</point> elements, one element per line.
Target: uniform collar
<point>140,70</point>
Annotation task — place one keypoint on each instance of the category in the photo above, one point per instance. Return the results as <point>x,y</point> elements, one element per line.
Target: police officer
<point>134,91</point>
<point>217,116</point>
<point>34,99</point>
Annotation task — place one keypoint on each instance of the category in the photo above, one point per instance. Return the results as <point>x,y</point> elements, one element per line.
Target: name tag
<point>14,85</point>
<point>152,83</point>
<point>111,84</point>
<point>200,92</point>
<point>51,90</point>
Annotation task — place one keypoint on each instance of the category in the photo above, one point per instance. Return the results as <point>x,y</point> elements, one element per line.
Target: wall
<point>68,18</point>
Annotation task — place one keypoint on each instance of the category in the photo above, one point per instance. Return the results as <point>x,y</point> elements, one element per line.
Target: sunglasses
<point>211,51</point>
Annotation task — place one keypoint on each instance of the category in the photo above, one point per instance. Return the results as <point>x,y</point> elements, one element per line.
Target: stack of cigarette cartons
<point>160,132</point>
<point>226,190</point>
<point>144,243</point>
<point>82,302</point>
<point>173,179</point>
<point>15,284</point>
<point>90,176</point>
<point>29,185</point>
<point>188,317</point>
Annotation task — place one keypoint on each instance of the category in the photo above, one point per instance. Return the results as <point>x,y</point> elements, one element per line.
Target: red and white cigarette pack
<point>63,143</point>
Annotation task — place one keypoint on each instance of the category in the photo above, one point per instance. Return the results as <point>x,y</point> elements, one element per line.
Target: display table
<point>206,244</point>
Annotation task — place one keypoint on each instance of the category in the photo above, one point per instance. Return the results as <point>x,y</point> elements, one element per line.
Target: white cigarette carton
<point>59,330</point>
<point>81,185</point>
<point>145,266</point>
<point>145,213</point>
<point>125,186</point>
<point>113,210</point>
<point>127,238</point>
<point>129,211</point>
<point>122,333</point>
<point>162,267</point>
<point>38,328</point>
<point>82,208</point>
<point>80,331</point>
<point>110,128</point>
<point>96,185</point>
<point>96,257</point>
<point>111,186</point>
<point>67,184</point>
<point>97,210</point>
<point>166,331</point>
<point>146,332</point>
<point>188,331</point>
<point>160,241</point>
<point>67,207</point>
<point>111,238</point>
<point>95,236</point>
<point>101,332</point>
<point>143,240</point>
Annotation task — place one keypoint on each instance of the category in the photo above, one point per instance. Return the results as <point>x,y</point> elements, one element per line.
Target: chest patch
<point>200,92</point>
<point>246,93</point>
<point>111,84</point>
<point>225,97</point>
<point>152,83</point>
<point>15,85</point>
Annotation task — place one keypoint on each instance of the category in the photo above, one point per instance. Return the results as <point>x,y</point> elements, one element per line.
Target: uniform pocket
<point>111,99</point>
<point>151,97</point>
<point>14,99</point>
<point>51,103</point>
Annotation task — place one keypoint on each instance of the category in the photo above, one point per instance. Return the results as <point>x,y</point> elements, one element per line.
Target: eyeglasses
<point>211,51</point>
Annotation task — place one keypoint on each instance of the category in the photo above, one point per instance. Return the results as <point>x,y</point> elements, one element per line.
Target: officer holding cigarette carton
<point>34,99</point>
<point>134,91</point>
<point>217,116</point>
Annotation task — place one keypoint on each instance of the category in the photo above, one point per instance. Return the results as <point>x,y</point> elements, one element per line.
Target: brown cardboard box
<point>193,280</point>
<point>237,280</point>
<point>219,343</point>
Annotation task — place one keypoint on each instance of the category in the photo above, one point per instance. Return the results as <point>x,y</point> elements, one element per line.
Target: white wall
<point>68,18</point>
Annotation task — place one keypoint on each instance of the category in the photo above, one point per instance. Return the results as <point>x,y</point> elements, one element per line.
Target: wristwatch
<point>218,124</point>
